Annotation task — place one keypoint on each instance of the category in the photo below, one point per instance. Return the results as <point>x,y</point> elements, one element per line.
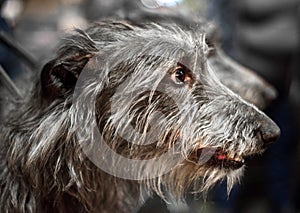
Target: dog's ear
<point>59,76</point>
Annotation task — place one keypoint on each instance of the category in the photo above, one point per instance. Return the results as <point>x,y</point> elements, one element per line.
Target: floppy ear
<point>59,76</point>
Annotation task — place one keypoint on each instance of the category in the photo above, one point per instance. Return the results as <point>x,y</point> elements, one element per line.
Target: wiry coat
<point>43,166</point>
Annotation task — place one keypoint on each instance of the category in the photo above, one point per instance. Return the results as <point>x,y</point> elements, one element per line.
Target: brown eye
<point>179,76</point>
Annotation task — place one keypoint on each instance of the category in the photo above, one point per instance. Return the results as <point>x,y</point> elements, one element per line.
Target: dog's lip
<point>222,155</point>
<point>228,160</point>
<point>217,157</point>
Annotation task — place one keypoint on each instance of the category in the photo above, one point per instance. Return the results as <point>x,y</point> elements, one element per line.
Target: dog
<point>124,110</point>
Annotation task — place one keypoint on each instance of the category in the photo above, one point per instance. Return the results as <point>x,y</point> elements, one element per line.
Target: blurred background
<point>261,34</point>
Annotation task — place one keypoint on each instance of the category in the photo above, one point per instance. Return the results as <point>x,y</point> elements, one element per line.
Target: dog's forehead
<point>149,44</point>
<point>152,36</point>
<point>173,36</point>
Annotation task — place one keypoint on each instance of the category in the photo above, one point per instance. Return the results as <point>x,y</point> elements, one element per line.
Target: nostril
<point>269,136</point>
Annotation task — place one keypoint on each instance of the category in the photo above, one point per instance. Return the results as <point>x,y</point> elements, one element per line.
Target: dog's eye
<point>179,76</point>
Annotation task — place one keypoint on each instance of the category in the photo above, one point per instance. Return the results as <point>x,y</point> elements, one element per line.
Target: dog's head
<point>145,105</point>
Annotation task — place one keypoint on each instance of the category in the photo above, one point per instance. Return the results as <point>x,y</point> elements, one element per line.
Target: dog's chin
<point>195,176</point>
<point>216,174</point>
<point>202,178</point>
<point>216,164</point>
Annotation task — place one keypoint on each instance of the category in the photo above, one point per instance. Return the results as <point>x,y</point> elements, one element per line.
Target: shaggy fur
<point>235,76</point>
<point>148,92</point>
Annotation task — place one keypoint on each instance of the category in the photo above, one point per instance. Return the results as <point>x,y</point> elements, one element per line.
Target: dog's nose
<point>269,132</point>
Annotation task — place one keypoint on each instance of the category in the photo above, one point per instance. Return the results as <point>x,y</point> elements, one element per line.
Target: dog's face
<point>160,111</point>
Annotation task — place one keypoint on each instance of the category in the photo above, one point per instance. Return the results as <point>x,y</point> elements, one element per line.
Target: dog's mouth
<point>217,157</point>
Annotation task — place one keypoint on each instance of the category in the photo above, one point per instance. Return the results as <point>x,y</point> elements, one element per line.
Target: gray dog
<point>123,110</point>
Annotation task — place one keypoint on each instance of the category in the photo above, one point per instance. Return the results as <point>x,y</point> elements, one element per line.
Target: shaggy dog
<point>121,111</point>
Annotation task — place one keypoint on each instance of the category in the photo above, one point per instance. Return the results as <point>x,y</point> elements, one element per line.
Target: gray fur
<point>43,167</point>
